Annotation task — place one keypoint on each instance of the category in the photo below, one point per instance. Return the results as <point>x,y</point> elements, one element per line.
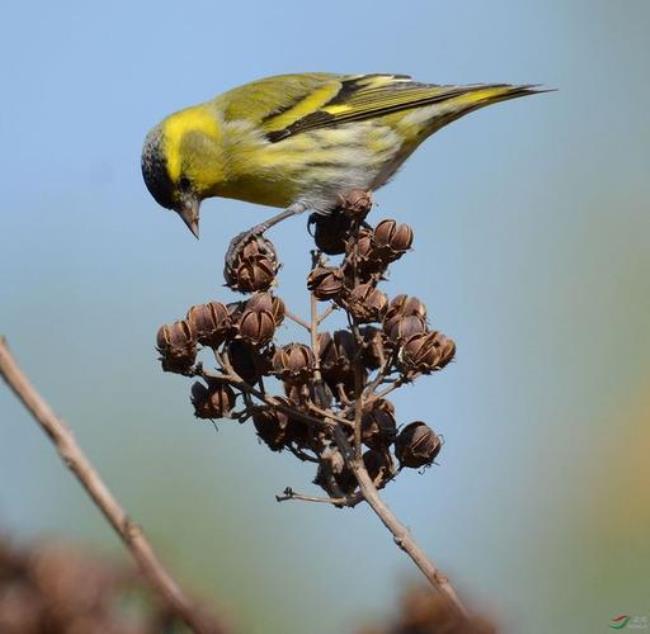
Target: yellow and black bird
<point>300,141</point>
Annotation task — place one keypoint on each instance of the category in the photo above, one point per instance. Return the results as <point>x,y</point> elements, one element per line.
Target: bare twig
<point>326,313</point>
<point>401,535</point>
<point>298,320</point>
<point>348,501</point>
<point>131,534</point>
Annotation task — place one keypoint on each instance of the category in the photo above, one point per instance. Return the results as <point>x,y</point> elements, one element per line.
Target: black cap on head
<point>154,170</point>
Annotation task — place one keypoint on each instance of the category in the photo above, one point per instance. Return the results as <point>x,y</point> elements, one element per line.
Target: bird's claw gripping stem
<point>238,242</point>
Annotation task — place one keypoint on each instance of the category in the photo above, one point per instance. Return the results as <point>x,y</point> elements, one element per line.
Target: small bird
<point>300,142</point>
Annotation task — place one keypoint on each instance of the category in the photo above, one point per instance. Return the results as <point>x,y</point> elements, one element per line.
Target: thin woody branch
<point>130,533</point>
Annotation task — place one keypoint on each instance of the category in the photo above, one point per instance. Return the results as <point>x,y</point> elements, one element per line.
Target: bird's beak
<point>189,212</point>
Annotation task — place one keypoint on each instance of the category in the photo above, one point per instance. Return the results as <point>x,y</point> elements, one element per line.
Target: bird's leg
<point>238,242</point>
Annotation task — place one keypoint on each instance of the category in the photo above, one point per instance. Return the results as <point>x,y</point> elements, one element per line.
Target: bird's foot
<point>241,240</point>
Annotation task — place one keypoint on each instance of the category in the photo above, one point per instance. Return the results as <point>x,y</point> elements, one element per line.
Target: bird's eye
<point>184,183</point>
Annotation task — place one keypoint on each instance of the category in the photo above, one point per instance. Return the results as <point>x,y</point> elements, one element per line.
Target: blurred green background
<point>532,229</point>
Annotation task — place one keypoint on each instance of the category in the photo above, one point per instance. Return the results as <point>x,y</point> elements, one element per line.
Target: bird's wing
<point>287,105</point>
<point>265,101</point>
<point>342,99</point>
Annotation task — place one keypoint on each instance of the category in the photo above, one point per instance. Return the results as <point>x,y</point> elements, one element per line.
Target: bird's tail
<point>473,97</point>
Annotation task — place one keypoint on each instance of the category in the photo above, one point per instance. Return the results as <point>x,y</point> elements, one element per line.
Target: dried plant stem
<point>290,494</point>
<point>401,535</point>
<point>298,320</point>
<point>326,313</point>
<point>131,534</point>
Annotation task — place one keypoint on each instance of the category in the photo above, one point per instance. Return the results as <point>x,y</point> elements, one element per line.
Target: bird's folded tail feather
<point>473,97</point>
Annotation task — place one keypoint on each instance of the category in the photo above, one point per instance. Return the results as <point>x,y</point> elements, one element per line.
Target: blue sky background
<point>531,251</point>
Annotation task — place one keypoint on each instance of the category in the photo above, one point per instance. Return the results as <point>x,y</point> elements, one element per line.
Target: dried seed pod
<point>343,385</point>
<point>336,351</point>
<point>278,429</point>
<point>303,394</point>
<point>366,303</point>
<point>447,350</point>
<point>356,203</point>
<point>325,282</point>
<point>235,310</point>
<point>393,239</point>
<point>406,327</point>
<point>370,266</point>
<point>403,306</point>
<point>256,326</point>
<point>254,267</point>
<point>417,445</point>
<point>421,353</point>
<point>177,346</point>
<point>330,231</point>
<point>210,323</point>
<point>247,362</point>
<point>335,474</point>
<point>269,302</point>
<point>215,400</point>
<point>374,350</point>
<point>300,394</point>
<point>294,362</point>
<point>273,427</point>
<point>379,465</point>
<point>361,244</point>
<point>427,352</point>
<point>257,274</point>
<point>378,428</point>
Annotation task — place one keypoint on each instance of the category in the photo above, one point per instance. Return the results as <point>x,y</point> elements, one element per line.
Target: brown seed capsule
<point>269,302</point>
<point>256,326</point>
<point>361,245</point>
<point>272,427</point>
<point>210,322</point>
<point>393,239</point>
<point>300,394</point>
<point>406,327</point>
<point>254,268</point>
<point>335,475</point>
<point>447,350</point>
<point>247,362</point>
<point>215,400</point>
<point>330,231</point>
<point>325,282</point>
<point>426,353</point>
<point>257,274</point>
<point>177,346</point>
<point>421,353</point>
<point>378,428</point>
<point>360,249</point>
<point>356,204</point>
<point>374,351</point>
<point>294,362</point>
<point>417,445</point>
<point>379,465</point>
<point>336,351</point>
<point>366,303</point>
<point>403,306</point>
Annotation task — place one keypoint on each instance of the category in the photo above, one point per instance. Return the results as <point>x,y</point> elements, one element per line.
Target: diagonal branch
<point>130,533</point>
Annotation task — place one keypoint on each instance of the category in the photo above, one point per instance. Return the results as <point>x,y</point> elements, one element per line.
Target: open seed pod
<point>176,344</point>
<point>417,445</point>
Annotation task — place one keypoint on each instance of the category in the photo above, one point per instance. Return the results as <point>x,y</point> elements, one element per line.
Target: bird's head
<point>182,162</point>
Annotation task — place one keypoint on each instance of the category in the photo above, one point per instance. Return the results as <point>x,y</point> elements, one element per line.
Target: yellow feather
<point>178,125</point>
